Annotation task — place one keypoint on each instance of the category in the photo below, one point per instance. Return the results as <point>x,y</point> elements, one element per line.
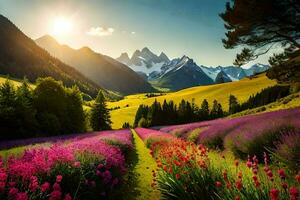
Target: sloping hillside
<point>101,69</point>
<point>241,89</point>
<point>15,82</point>
<point>20,56</point>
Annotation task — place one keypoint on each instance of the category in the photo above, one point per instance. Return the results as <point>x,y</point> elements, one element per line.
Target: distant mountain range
<point>101,69</point>
<point>183,72</point>
<point>21,57</point>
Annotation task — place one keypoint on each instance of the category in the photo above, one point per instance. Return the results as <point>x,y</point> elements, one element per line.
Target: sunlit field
<point>241,89</point>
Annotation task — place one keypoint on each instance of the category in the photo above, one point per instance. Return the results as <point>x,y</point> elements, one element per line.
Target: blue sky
<point>176,27</point>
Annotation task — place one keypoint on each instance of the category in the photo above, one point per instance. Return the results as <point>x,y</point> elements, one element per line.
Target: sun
<point>61,26</point>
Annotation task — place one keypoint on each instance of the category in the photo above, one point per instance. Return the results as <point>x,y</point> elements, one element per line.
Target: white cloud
<point>100,31</point>
<point>132,32</point>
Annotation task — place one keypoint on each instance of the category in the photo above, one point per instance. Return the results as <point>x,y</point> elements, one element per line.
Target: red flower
<point>257,184</point>
<point>165,168</point>
<point>55,195</point>
<point>274,194</point>
<point>12,193</point>
<point>177,163</point>
<point>12,184</point>
<point>228,185</point>
<point>77,164</point>
<point>218,184</point>
<point>298,177</point>
<point>56,186</point>
<point>269,173</point>
<point>249,164</point>
<point>58,178</point>
<point>100,166</point>
<point>254,178</point>
<point>45,187</point>
<point>225,175</point>
<point>33,183</point>
<point>3,176</point>
<point>284,185</point>
<point>236,163</point>
<point>239,184</point>
<point>254,171</point>
<point>281,173</point>
<point>240,175</point>
<point>68,197</point>
<point>177,176</point>
<point>22,196</point>
<point>294,193</point>
<point>266,168</point>
<point>236,198</point>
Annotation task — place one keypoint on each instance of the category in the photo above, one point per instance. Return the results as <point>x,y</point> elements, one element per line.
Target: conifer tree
<point>126,125</point>
<point>100,117</point>
<point>233,104</point>
<point>142,112</point>
<point>25,111</point>
<point>204,111</point>
<point>220,112</point>
<point>8,114</point>
<point>214,110</point>
<point>155,114</point>
<point>182,111</point>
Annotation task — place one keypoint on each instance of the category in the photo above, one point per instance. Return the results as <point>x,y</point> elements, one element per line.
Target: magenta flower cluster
<point>34,174</point>
<point>146,134</point>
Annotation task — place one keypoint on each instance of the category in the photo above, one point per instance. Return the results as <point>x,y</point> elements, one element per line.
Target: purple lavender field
<point>276,132</point>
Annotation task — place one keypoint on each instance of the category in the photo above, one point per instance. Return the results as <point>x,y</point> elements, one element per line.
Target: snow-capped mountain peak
<point>164,57</point>
<point>145,61</point>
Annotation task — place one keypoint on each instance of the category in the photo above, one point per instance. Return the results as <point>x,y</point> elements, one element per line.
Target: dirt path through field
<point>139,178</point>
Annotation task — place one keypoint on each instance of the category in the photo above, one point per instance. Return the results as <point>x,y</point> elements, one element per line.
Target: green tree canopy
<point>258,25</point>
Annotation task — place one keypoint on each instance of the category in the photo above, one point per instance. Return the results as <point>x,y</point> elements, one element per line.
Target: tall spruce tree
<point>8,112</point>
<point>220,112</point>
<point>166,113</point>
<point>204,110</point>
<point>155,114</point>
<point>214,110</point>
<point>26,111</point>
<point>100,117</point>
<point>233,104</point>
<point>182,111</point>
